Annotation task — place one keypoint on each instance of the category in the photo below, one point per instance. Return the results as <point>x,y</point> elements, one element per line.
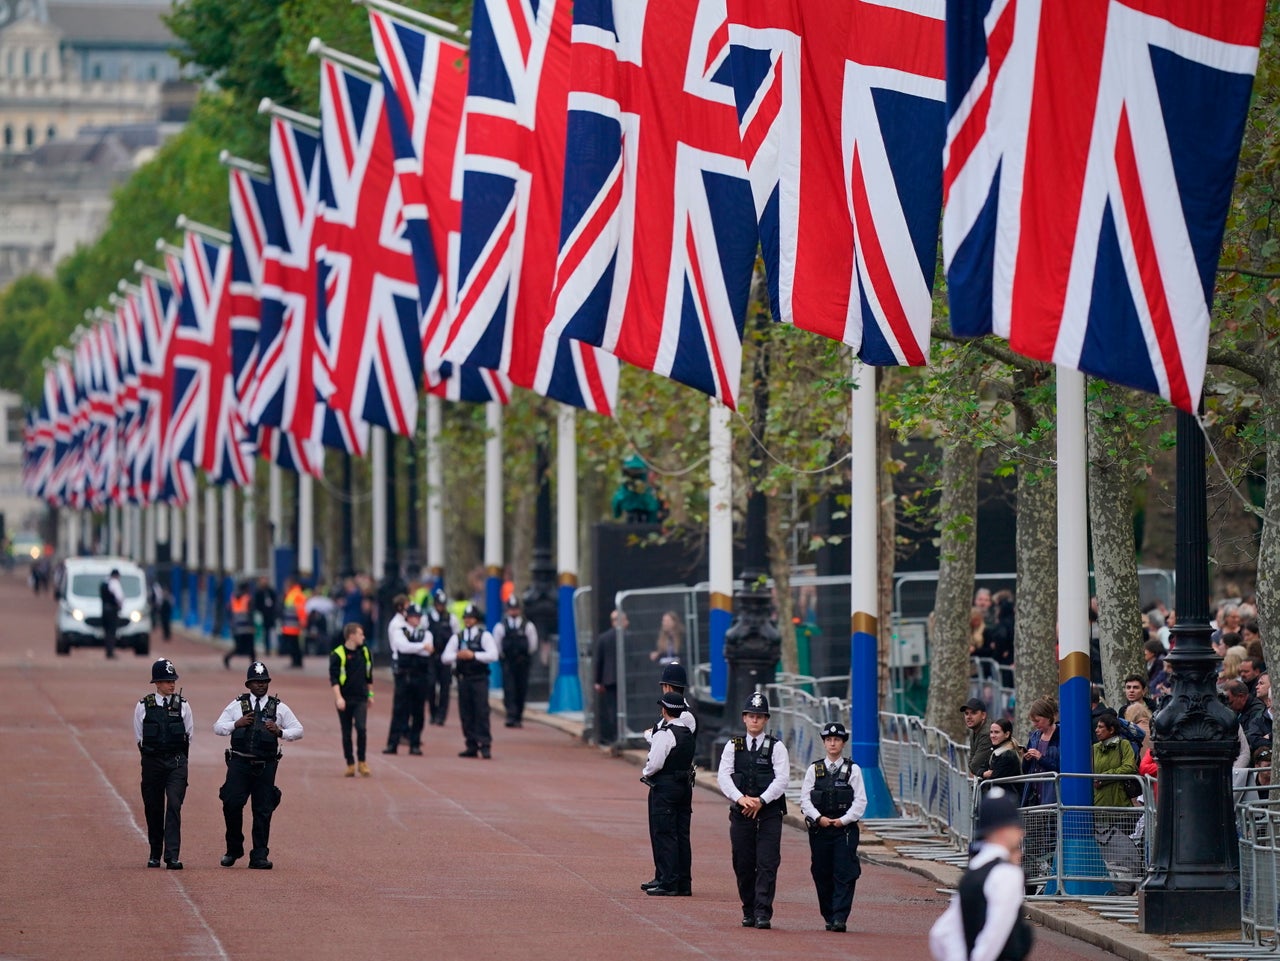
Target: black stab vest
<point>679,762</point>
<point>255,740</point>
<point>470,637</point>
<point>163,732</point>
<point>973,911</point>
<point>832,793</point>
<point>752,773</point>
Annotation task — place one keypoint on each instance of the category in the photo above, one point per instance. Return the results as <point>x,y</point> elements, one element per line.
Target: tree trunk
<point>1268,592</point>
<point>1036,544</point>
<point>949,636</point>
<point>1115,565</point>
<point>1159,525</point>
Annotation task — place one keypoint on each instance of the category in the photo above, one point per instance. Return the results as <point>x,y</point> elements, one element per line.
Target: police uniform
<point>473,680</point>
<point>411,666</point>
<point>984,920</point>
<point>833,789</point>
<point>517,641</point>
<point>674,677</point>
<point>441,626</point>
<point>669,773</point>
<point>162,726</point>
<point>251,766</point>
<point>756,767</point>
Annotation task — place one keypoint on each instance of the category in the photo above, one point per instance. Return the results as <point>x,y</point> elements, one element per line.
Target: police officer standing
<point>162,726</point>
<point>441,625</point>
<point>669,773</point>
<point>470,652</point>
<point>832,799</point>
<point>411,665</point>
<point>517,641</point>
<point>256,725</point>
<point>753,775</point>
<point>984,921</point>
<point>674,680</point>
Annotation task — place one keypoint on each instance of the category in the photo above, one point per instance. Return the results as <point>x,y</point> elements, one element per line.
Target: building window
<point>8,137</point>
<point>51,133</point>
<point>31,135</point>
<point>97,71</point>
<point>152,72</point>
<point>44,63</point>
<point>26,62</point>
<point>14,422</point>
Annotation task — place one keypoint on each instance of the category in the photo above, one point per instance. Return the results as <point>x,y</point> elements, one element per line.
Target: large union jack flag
<point>207,429</point>
<point>369,322</point>
<point>161,478</point>
<point>845,100</point>
<point>657,240</point>
<point>1091,151</point>
<point>510,180</point>
<point>39,441</point>
<point>66,451</point>
<point>424,78</point>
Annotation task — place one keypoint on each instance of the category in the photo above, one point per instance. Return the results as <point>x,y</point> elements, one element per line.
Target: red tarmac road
<point>537,854</point>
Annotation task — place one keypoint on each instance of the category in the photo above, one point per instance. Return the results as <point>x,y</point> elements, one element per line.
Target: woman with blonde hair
<point>1231,663</point>
<point>670,644</point>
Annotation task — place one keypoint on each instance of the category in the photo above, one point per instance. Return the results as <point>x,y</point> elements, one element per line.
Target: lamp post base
<point>1184,912</point>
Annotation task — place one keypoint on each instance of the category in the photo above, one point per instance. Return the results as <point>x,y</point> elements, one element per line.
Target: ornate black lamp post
<point>1194,877</point>
<point>752,643</point>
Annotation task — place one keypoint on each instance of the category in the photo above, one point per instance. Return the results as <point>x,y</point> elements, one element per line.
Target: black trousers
<point>354,715</point>
<point>515,687</point>
<point>255,782</point>
<point>670,812</point>
<point>834,865</point>
<point>109,633</point>
<point>473,710</point>
<point>757,852</point>
<point>164,786</point>
<point>291,644</point>
<point>607,715</point>
<point>441,680</point>
<point>408,709</point>
<point>165,614</point>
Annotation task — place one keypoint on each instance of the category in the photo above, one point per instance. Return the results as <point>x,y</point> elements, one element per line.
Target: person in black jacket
<point>1005,761</point>
<point>604,665</point>
<point>351,677</point>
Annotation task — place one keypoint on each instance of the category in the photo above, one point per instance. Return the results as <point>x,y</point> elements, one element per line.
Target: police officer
<point>256,725</point>
<point>162,726</point>
<point>517,641</point>
<point>411,664</point>
<point>441,625</point>
<point>832,799</point>
<point>669,773</point>
<point>351,677</point>
<point>241,624</point>
<point>984,921</point>
<point>470,652</point>
<point>753,775</point>
<point>674,680</point>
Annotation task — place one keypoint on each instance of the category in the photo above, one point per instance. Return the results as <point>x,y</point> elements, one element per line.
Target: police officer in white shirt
<point>517,641</point>
<point>256,725</point>
<point>411,665</point>
<point>753,775</point>
<point>673,681</point>
<point>470,652</point>
<point>669,773</point>
<point>162,726</point>
<point>832,800</point>
<point>984,921</point>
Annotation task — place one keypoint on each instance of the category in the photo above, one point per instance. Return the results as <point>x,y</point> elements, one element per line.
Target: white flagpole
<point>229,529</point>
<point>250,533</point>
<point>378,502</point>
<point>493,524</point>
<point>193,560</point>
<point>720,545</point>
<point>148,515</point>
<point>435,492</point>
<point>306,522</point>
<point>211,556</point>
<point>567,693</point>
<point>275,505</point>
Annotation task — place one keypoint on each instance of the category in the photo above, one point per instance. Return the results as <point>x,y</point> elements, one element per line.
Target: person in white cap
<point>984,921</point>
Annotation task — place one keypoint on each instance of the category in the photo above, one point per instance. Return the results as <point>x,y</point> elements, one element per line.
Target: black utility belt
<point>253,757</point>
<point>166,757</point>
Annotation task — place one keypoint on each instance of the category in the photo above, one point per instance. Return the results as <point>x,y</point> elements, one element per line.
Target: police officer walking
<point>470,652</point>
<point>411,666</point>
<point>753,774</point>
<point>441,625</point>
<point>517,641</point>
<point>351,677</point>
<point>832,799</point>
<point>256,725</point>
<point>984,921</point>
<point>162,726</point>
<point>669,773</point>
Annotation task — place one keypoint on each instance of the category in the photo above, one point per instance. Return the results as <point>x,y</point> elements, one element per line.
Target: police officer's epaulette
<point>739,743</point>
<point>820,767</point>
<point>148,699</point>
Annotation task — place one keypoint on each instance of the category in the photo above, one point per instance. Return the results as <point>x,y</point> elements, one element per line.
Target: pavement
<point>535,855</point>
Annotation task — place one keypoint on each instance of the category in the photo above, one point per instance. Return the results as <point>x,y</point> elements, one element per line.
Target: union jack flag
<point>657,240</point>
<point>424,78</point>
<point>66,449</point>
<point>1091,152</point>
<point>163,479</point>
<point>285,391</point>
<point>207,430</point>
<point>253,202</point>
<point>365,260</point>
<point>124,326</point>
<point>510,180</point>
<point>846,100</point>
<point>39,441</point>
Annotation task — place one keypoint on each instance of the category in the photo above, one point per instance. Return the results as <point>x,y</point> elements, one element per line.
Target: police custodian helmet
<point>757,703</point>
<point>674,675</point>
<point>257,672</point>
<point>834,729</point>
<point>163,670</point>
<point>472,611</point>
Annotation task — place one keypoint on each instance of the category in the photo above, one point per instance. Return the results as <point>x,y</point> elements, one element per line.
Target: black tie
<point>752,747</point>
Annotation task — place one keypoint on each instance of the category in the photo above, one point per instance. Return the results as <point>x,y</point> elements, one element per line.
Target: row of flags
<point>591,182</point>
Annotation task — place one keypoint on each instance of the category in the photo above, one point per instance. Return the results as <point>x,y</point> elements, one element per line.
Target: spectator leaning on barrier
<point>1005,760</point>
<point>1112,754</point>
<point>1043,754</point>
<point>975,719</point>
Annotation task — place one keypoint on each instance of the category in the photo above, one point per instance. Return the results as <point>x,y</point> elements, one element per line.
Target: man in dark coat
<point>604,663</point>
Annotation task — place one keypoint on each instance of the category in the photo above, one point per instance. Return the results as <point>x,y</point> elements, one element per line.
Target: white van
<point>79,621</point>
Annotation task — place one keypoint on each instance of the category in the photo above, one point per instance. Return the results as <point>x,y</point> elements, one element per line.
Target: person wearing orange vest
<point>293,622</point>
<point>241,625</point>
